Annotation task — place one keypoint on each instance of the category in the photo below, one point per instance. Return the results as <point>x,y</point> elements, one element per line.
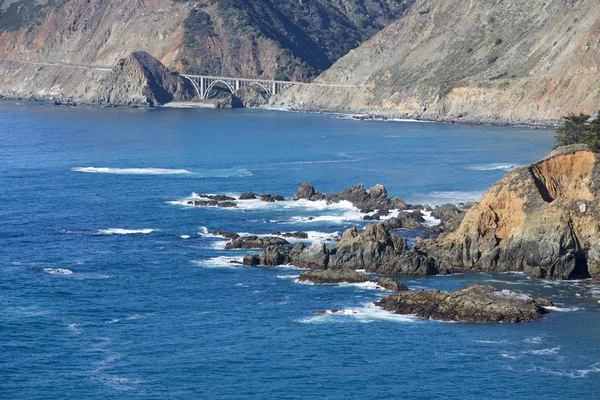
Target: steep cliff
<point>543,219</point>
<point>481,61</point>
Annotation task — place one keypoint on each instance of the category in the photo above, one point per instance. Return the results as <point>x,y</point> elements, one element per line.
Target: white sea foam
<point>363,285</point>
<point>507,355</point>
<point>490,341</point>
<point>121,231</point>
<point>495,167</point>
<point>574,374</point>
<point>288,276</point>
<point>58,271</point>
<point>563,309</point>
<point>218,262</point>
<point>132,171</point>
<point>543,352</point>
<point>184,236</point>
<point>535,339</point>
<point>429,220</point>
<point>73,327</point>
<point>366,314</point>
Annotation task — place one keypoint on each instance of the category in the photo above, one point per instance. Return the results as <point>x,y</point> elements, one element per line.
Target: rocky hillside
<point>47,46</point>
<point>478,61</point>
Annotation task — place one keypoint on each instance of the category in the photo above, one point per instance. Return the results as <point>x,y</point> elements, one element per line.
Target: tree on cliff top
<point>579,129</point>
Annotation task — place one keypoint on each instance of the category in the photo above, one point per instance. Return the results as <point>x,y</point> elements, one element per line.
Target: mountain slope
<point>249,38</point>
<point>487,60</point>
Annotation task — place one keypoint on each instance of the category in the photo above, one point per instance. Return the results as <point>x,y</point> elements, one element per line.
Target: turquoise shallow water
<point>145,313</point>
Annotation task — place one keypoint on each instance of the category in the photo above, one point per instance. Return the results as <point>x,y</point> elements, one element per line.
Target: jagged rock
<point>203,203</point>
<point>271,257</point>
<point>531,221</point>
<point>405,220</point>
<point>332,276</point>
<point>252,97</point>
<point>365,200</point>
<point>294,235</point>
<point>255,242</point>
<point>248,196</point>
<point>374,250</point>
<point>271,198</point>
<point>446,212</point>
<point>217,197</point>
<point>229,102</point>
<point>474,303</point>
<point>543,302</point>
<point>315,256</point>
<point>142,80</point>
<point>308,192</point>
<point>392,284</point>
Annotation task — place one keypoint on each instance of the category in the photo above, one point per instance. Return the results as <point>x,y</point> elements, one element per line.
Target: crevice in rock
<point>540,184</point>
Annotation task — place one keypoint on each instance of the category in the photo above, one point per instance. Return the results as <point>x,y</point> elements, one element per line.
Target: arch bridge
<point>204,84</point>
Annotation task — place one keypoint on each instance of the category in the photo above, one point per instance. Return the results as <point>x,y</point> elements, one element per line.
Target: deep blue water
<point>155,316</point>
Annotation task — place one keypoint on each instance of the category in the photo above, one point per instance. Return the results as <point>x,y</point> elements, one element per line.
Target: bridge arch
<point>260,85</point>
<point>212,85</point>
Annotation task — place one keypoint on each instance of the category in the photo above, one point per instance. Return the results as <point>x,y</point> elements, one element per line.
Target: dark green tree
<point>574,129</point>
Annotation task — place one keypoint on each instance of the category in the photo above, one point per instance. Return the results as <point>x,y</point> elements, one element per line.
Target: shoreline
<point>358,115</point>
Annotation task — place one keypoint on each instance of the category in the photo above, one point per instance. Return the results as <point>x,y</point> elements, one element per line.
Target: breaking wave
<point>366,314</point>
<point>209,173</point>
<point>507,167</point>
<point>58,271</point>
<point>121,231</point>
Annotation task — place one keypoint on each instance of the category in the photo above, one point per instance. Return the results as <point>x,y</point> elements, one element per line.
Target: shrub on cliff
<point>579,129</point>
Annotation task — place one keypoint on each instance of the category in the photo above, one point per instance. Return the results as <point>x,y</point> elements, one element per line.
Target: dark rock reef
<point>474,303</point>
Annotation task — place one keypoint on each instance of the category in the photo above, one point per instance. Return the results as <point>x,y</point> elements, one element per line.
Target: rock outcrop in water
<point>374,199</point>
<point>255,242</point>
<point>142,80</point>
<point>542,219</point>
<point>474,303</point>
<point>327,277</point>
<point>375,250</point>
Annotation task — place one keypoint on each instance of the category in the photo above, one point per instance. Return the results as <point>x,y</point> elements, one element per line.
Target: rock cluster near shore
<point>474,303</point>
<point>374,199</point>
<point>326,277</point>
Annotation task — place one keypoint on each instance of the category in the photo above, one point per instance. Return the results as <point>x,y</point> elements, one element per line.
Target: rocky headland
<point>541,220</point>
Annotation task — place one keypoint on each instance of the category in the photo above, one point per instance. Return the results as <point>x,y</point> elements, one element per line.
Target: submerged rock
<point>474,303</point>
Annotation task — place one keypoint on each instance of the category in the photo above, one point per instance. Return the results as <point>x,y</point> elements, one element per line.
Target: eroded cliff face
<point>480,61</point>
<point>543,219</point>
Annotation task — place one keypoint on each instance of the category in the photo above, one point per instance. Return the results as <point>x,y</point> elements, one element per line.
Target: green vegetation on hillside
<point>15,15</point>
<point>579,129</point>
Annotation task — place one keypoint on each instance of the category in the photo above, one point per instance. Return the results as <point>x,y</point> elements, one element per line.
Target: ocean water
<point>112,288</point>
